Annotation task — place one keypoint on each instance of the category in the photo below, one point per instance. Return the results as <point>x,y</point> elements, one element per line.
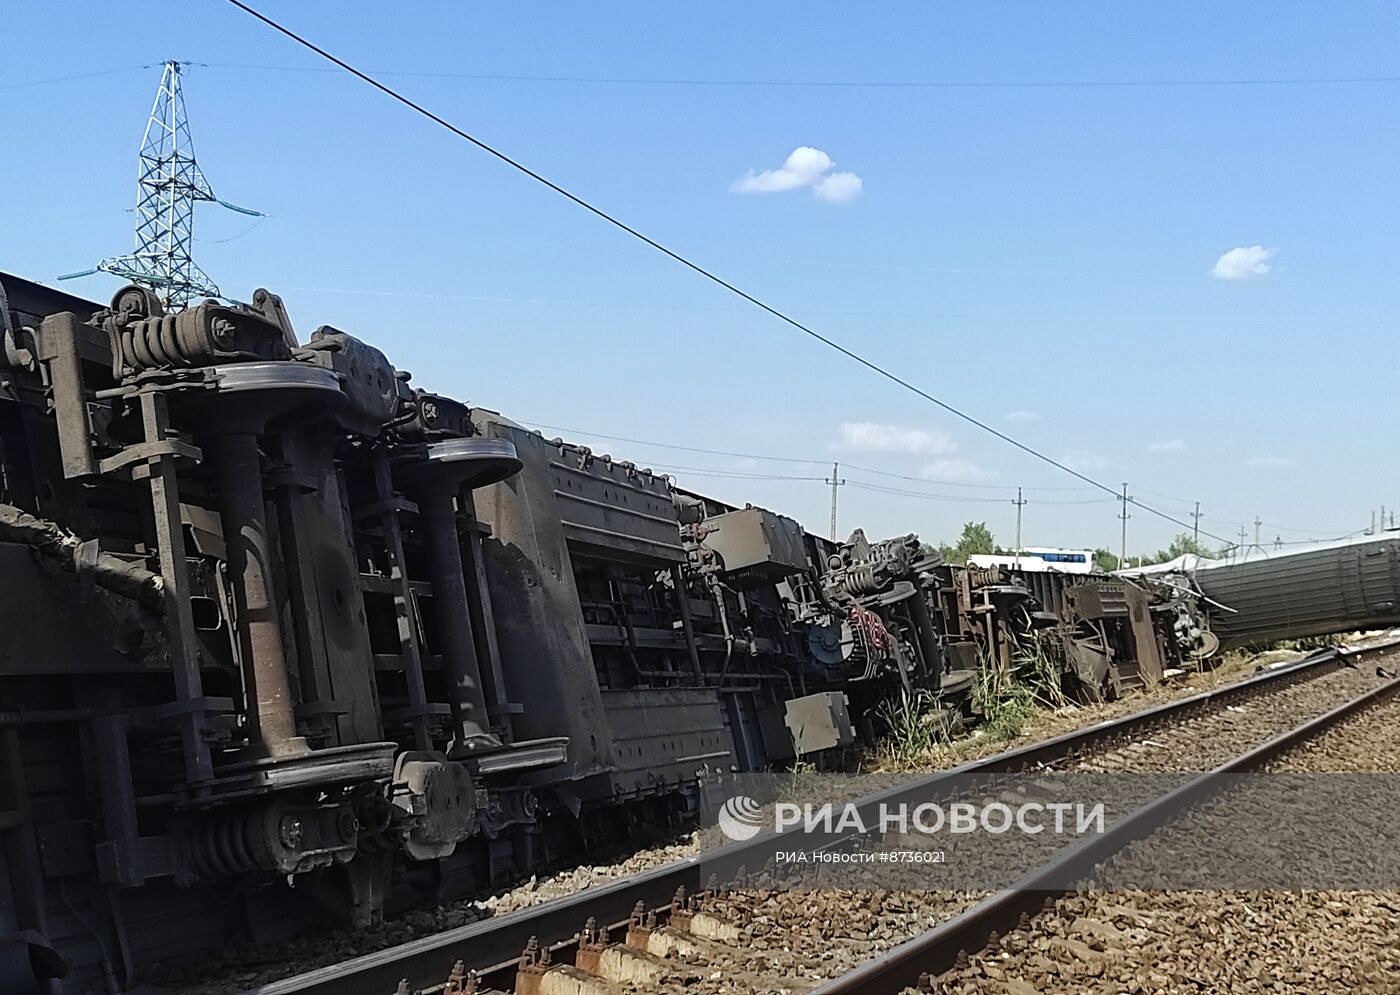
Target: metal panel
<point>613,508</point>
<point>665,736</point>
<point>608,508</point>
<point>765,545</point>
<point>540,627</point>
<point>1313,592</point>
<point>30,302</point>
<point>819,722</point>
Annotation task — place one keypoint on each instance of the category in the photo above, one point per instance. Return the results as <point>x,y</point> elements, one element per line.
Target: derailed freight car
<point>270,612</point>
<point>1261,595</point>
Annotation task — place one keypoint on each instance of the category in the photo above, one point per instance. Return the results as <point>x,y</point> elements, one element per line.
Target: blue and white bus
<point>1040,559</point>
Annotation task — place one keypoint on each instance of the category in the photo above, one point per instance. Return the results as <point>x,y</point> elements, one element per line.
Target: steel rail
<point>937,950</point>
<point>491,947</point>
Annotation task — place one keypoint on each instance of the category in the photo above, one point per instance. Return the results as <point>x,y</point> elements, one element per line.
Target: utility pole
<point>169,183</point>
<point>1123,544</point>
<point>835,480</point>
<point>1244,534</point>
<point>1020,503</point>
<point>1257,523</point>
<point>1196,526</point>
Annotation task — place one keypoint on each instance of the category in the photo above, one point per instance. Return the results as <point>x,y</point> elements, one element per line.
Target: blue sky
<point>1040,256</point>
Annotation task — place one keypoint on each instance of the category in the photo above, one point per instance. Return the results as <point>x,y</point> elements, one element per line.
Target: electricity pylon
<point>168,185</point>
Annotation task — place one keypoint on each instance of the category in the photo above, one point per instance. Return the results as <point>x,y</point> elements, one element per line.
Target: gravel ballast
<point>882,919</point>
<point>1220,941</point>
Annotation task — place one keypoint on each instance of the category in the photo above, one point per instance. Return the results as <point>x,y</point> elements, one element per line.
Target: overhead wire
<point>862,485</point>
<point>754,475</point>
<point>708,471</point>
<point>723,475</point>
<point>881,488</point>
<point>698,269</point>
<point>669,445</point>
<point>953,483</point>
<point>850,84</point>
<point>64,79</point>
<point>234,238</point>
<point>915,315</point>
<point>789,459</point>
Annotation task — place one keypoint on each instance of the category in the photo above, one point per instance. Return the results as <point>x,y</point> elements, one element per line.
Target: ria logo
<point>741,818</point>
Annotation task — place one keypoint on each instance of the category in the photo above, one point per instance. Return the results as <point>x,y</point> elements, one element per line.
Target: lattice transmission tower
<point>168,185</point>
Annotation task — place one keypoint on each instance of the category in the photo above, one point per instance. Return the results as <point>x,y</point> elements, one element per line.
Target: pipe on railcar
<point>82,557</point>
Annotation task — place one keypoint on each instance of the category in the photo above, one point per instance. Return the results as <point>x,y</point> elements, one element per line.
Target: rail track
<point>914,964</point>
<point>680,930</point>
<point>1242,919</point>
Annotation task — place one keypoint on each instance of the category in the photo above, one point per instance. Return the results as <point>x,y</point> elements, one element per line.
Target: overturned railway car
<point>273,616</point>
<point>1103,635</point>
<point>1267,595</point>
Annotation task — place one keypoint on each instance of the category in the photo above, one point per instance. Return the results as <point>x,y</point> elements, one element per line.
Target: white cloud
<point>1021,416</point>
<point>1170,446</point>
<point>877,437</point>
<point>1246,262</point>
<point>805,167</point>
<point>953,470</point>
<point>1083,460</point>
<point>1268,462</point>
<point>839,187</point>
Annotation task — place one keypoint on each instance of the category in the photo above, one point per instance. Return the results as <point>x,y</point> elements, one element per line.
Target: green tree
<point>1181,545</point>
<point>1105,561</point>
<point>975,538</point>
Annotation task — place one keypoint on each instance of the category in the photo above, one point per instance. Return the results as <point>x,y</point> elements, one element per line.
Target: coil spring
<point>860,579</point>
<point>227,846</point>
<point>152,343</point>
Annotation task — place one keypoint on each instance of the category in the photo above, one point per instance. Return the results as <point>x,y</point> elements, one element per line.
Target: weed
<point>915,727</point>
<point>1004,704</point>
<point>1040,673</point>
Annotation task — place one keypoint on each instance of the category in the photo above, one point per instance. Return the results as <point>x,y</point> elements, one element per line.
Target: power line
<point>692,471</point>
<point>64,79</point>
<point>915,315</point>
<point>784,459</point>
<point>960,498</point>
<point>957,483</point>
<point>1239,520</point>
<point>925,495</point>
<point>1087,84</point>
<point>753,475</point>
<point>705,471</point>
<point>667,445</point>
<point>694,267</point>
